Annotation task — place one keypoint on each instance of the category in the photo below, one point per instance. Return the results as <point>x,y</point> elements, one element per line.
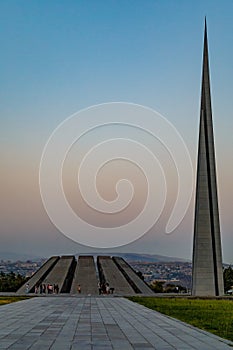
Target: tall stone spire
<point>207,277</point>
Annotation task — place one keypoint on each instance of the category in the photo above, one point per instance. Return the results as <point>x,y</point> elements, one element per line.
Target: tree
<point>139,273</point>
<point>157,286</point>
<point>175,288</point>
<point>228,278</point>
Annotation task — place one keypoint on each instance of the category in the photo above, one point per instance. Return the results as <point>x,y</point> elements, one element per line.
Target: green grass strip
<point>8,300</point>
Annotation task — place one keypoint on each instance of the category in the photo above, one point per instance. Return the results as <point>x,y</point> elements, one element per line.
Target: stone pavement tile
<point>60,346</point>
<point>82,336</point>
<point>142,346</point>
<point>99,347</point>
<point>80,347</point>
<point>122,346</point>
<point>41,344</point>
<point>6,344</point>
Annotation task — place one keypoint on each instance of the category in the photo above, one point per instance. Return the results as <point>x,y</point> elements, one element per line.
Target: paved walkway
<point>61,323</point>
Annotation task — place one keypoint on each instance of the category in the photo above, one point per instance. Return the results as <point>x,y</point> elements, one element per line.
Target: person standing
<point>100,288</point>
<point>107,288</point>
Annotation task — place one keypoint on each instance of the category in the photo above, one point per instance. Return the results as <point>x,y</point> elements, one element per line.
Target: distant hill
<point>150,258</point>
<point>130,257</point>
<point>16,256</point>
<point>133,257</point>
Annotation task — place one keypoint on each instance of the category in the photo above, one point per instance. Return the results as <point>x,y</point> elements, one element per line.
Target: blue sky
<point>60,56</point>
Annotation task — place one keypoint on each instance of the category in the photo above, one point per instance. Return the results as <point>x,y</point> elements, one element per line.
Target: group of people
<point>104,288</point>
<point>48,288</point>
<point>44,288</point>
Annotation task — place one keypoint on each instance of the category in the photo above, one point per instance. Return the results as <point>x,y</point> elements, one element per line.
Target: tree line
<point>162,287</point>
<point>11,282</point>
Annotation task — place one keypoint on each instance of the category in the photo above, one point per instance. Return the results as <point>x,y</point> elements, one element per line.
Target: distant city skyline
<point>58,58</point>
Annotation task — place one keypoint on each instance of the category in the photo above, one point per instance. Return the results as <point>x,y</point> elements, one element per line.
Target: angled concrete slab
<point>39,276</point>
<point>61,274</point>
<point>135,281</point>
<point>111,274</point>
<point>86,276</point>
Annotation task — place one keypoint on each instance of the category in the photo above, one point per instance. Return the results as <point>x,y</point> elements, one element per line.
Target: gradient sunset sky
<point>58,57</point>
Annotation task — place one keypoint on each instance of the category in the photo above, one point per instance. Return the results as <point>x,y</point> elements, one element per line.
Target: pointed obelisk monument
<point>207,275</point>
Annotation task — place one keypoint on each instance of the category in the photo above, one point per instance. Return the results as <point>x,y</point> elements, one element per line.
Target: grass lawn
<point>8,300</point>
<point>215,316</point>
